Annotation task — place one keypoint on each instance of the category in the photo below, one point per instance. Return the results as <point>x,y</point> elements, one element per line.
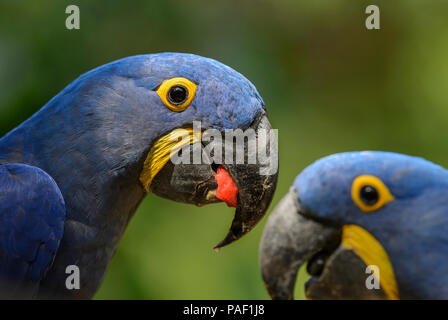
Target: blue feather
<point>32,213</point>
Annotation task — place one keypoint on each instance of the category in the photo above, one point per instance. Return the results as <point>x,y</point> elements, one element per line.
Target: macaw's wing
<point>32,214</point>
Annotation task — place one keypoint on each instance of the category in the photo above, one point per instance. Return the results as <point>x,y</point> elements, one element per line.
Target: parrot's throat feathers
<point>161,151</point>
<point>364,245</point>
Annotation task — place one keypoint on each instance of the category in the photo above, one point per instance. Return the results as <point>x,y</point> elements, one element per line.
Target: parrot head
<point>369,225</point>
<point>129,117</point>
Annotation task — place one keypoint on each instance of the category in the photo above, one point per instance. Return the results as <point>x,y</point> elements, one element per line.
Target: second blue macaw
<point>72,175</point>
<point>354,216</point>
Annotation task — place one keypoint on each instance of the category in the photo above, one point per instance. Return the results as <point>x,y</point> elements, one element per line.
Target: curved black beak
<point>288,241</point>
<point>256,180</point>
<point>291,238</point>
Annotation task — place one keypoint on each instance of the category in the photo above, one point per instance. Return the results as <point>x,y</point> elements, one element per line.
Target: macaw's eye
<point>369,193</point>
<point>177,93</point>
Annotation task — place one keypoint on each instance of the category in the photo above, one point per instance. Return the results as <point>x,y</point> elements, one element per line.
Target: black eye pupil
<point>369,195</point>
<point>177,94</point>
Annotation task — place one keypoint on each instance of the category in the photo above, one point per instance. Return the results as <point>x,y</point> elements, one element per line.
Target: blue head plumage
<point>325,186</point>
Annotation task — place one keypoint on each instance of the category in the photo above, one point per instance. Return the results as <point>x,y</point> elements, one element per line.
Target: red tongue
<point>227,189</point>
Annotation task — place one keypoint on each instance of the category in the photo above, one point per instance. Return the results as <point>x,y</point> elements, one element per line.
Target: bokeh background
<point>329,84</point>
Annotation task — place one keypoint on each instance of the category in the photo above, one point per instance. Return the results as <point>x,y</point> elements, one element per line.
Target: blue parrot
<point>370,225</point>
<point>72,175</point>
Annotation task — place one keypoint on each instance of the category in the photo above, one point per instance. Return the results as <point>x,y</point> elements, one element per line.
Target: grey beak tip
<point>230,237</point>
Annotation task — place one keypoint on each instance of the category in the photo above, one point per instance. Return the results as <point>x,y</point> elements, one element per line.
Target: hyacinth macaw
<point>72,175</point>
<point>349,211</point>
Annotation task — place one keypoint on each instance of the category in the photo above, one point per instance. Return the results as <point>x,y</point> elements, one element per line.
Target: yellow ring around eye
<point>166,85</point>
<point>384,195</point>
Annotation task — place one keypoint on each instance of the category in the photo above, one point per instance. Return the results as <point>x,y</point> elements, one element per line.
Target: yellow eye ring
<point>177,93</point>
<point>370,193</point>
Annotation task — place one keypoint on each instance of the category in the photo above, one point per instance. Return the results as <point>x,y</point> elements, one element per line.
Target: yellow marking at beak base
<point>161,151</point>
<point>364,245</point>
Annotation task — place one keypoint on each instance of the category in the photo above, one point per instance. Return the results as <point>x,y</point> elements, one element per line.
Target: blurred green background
<point>329,84</point>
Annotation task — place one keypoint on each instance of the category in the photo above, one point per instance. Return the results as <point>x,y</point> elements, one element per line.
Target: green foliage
<point>329,84</point>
